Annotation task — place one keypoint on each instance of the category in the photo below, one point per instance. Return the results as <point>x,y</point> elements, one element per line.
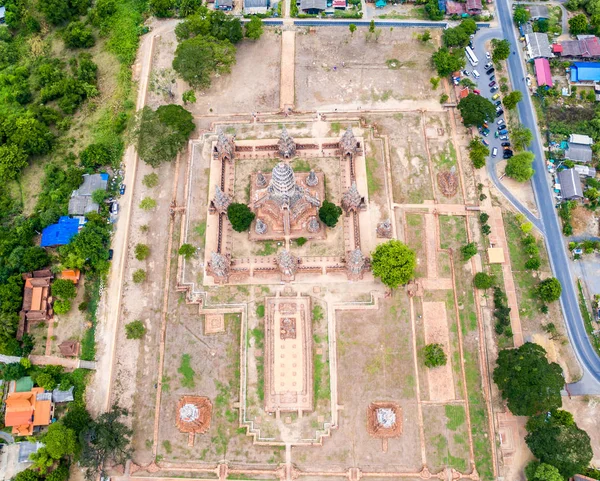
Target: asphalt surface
<point>555,243</point>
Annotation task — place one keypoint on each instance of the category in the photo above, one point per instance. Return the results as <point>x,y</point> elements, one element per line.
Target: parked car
<point>495,96</point>
<point>466,72</point>
<point>490,71</point>
<point>485,142</point>
<point>505,144</point>
<point>494,89</point>
<point>492,77</point>
<point>488,65</point>
<point>494,152</point>
<point>485,125</point>
<point>477,92</point>
<point>499,113</point>
<point>114,208</point>
<point>502,132</point>
<point>496,134</point>
<point>500,121</point>
<point>122,189</point>
<point>487,55</point>
<point>504,137</point>
<point>507,154</point>
<point>110,254</point>
<point>485,132</point>
<point>498,103</point>
<point>491,84</point>
<point>528,80</point>
<point>476,74</point>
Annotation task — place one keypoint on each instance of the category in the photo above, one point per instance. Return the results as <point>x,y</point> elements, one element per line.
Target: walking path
<point>288,60</point>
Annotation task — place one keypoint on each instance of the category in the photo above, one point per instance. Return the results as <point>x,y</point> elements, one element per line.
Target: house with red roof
<point>542,72</point>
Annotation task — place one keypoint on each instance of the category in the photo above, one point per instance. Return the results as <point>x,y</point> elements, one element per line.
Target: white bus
<point>471,56</point>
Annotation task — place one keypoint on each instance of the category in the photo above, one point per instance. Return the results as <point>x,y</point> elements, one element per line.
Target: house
<point>72,275</point>
<point>585,171</point>
<point>537,12</point>
<point>62,396</point>
<point>580,139</point>
<point>542,72</point>
<point>37,303</point>
<point>339,4</point>
<point>454,8</point>
<point>253,7</point>
<point>570,185</point>
<point>585,72</point>
<point>496,255</point>
<point>225,5</point>
<point>61,233</point>
<point>586,46</point>
<point>538,45</point>
<point>313,6</point>
<point>81,202</point>
<point>25,412</point>
<point>579,153</point>
<point>474,7</point>
<point>69,348</point>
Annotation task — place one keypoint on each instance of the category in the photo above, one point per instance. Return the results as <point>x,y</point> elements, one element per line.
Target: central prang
<point>286,204</point>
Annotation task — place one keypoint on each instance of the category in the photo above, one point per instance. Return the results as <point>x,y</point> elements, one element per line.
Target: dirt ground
<point>584,222</point>
<point>335,69</point>
<point>586,411</point>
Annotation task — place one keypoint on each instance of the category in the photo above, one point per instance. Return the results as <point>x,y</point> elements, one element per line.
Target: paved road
<point>345,22</point>
<point>555,244</point>
<point>483,86</point>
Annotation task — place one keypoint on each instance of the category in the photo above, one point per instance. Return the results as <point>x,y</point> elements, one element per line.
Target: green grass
<point>587,319</point>
<point>268,248</point>
<point>373,181</point>
<point>88,343</point>
<point>200,229</point>
<point>317,313</point>
<point>260,311</point>
<point>335,127</point>
<point>186,371</point>
<point>301,165</point>
<point>167,445</point>
<point>456,416</point>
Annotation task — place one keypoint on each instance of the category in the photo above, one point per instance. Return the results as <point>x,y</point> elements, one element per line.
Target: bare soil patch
<point>441,384</point>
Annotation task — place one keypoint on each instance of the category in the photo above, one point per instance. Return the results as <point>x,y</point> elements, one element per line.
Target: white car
<point>500,122</point>
<point>475,74</point>
<point>487,55</point>
<point>494,152</point>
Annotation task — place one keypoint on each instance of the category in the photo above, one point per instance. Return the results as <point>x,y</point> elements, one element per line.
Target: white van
<point>476,74</point>
<point>494,151</point>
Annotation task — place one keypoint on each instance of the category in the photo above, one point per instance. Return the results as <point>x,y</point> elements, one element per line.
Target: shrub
<point>483,281</point>
<point>260,311</point>
<point>240,216</point>
<point>150,180</point>
<point>329,213</point>
<point>62,307</point>
<point>434,355</point>
<point>139,276</point>
<point>301,241</point>
<point>549,290</point>
<point>142,251</point>
<point>96,155</point>
<point>187,251</point>
<point>64,289</point>
<point>135,329</point>
<point>147,203</point>
<point>468,250</point>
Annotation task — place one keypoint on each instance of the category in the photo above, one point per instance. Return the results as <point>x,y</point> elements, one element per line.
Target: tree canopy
<point>459,35</point>
<point>519,167</point>
<point>240,216</point>
<point>475,110</point>
<point>329,213</point>
<point>501,50</point>
<point>64,289</point>
<point>254,28</point>
<point>549,290</point>
<point>528,381</point>
<point>511,100</point>
<point>556,440</point>
<point>478,153</point>
<point>521,137</point>
<point>521,15</point>
<point>578,24</point>
<point>77,35</point>
<point>163,132</point>
<point>536,471</point>
<point>483,281</point>
<point>446,62</point>
<point>394,263</point>
<point>198,58</point>
<point>434,355</point>
<point>468,250</point>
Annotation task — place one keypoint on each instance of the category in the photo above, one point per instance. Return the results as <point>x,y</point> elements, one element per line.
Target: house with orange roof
<point>72,275</point>
<point>27,410</point>
<point>37,303</point>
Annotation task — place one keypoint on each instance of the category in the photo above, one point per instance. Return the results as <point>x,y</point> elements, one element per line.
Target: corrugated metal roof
<point>91,183</point>
<point>538,45</point>
<point>585,71</point>
<point>570,185</point>
<point>542,72</point>
<point>62,396</point>
<point>313,5</point>
<point>579,153</point>
<point>580,139</point>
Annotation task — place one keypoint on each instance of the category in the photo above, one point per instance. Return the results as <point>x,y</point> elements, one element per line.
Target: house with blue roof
<point>61,233</point>
<point>585,72</point>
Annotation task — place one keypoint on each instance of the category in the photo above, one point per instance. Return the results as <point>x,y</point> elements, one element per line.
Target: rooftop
<point>538,45</point>
<point>585,72</point>
<point>570,185</point>
<point>495,255</point>
<point>542,72</point>
<point>580,139</point>
<point>92,183</point>
<point>579,153</point>
<point>60,233</point>
<point>313,4</point>
<point>538,11</point>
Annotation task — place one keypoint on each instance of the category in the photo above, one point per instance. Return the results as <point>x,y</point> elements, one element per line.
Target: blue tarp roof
<point>442,5</point>
<point>585,71</point>
<point>60,233</point>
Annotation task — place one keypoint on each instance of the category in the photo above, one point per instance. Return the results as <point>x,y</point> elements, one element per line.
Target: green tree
<point>434,355</point>
<point>536,471</point>
<point>519,167</point>
<point>198,58</point>
<point>521,137</point>
<point>187,251</point>
<point>28,475</point>
<point>528,381</point>
<point>89,248</point>
<point>254,28</point>
<point>189,97</point>
<point>501,50</point>
<point>446,62</point>
<point>455,37</point>
<point>329,213</point>
<point>99,196</point>
<point>150,180</point>
<point>476,109</point>
<point>161,134</point>
<point>556,440</point>
<point>12,371</point>
<point>12,161</point>
<point>61,473</point>
<point>483,281</point>
<point>64,289</point>
<point>372,26</point>
<point>135,329</point>
<point>433,11</point>
<point>142,251</point>
<point>549,290</point>
<point>541,25</point>
<point>394,263</point>
<point>60,441</point>
<point>512,99</point>
<point>96,155</point>
<point>139,276</point>
<point>62,306</point>
<point>147,203</point>
<point>478,153</point>
<point>425,36</point>
<point>107,439</point>
<point>77,418</point>
<point>443,98</point>
<point>162,8</point>
<point>467,82</point>
<point>578,24</point>
<point>352,28</point>
<point>77,35</point>
<point>521,15</point>
<point>435,82</point>
<point>468,250</point>
<point>240,216</point>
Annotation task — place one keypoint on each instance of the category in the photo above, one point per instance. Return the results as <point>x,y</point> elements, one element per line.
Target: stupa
<point>225,148</point>
<point>348,144</point>
<point>351,199</point>
<point>218,268</point>
<point>220,201</point>
<point>384,229</point>
<point>286,145</point>
<point>288,264</point>
<point>312,179</point>
<point>355,264</point>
